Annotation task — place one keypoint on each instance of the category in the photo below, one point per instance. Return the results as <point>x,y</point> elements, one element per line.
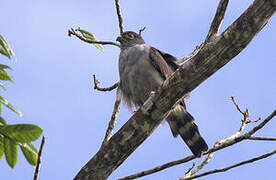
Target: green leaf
<point>11,151</point>
<point>5,48</point>
<point>2,122</point>
<point>23,133</point>
<point>4,75</point>
<point>1,146</point>
<point>6,103</point>
<point>3,66</point>
<point>2,86</point>
<point>91,37</point>
<point>30,152</point>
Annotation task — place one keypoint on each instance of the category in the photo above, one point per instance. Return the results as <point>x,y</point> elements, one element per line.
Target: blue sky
<point>53,84</point>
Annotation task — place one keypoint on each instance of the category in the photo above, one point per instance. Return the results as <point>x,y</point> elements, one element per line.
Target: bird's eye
<point>130,36</point>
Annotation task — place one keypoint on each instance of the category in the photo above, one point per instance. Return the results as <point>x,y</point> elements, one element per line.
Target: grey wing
<point>164,63</point>
<point>181,122</point>
<point>170,60</point>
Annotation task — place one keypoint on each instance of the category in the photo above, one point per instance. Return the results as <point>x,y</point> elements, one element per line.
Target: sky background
<point>53,85</point>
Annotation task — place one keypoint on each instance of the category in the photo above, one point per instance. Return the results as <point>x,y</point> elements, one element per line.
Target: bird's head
<point>129,38</point>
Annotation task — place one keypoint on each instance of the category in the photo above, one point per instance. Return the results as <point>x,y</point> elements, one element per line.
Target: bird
<point>142,70</point>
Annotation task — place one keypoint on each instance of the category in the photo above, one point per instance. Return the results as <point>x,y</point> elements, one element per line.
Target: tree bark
<point>218,51</point>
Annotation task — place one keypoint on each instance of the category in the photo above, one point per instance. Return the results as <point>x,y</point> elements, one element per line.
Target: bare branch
<point>120,18</point>
<point>233,166</point>
<point>38,163</point>
<point>73,32</point>
<point>96,82</point>
<point>261,125</point>
<point>221,9</point>
<point>262,138</point>
<point>214,28</point>
<point>214,149</point>
<point>243,124</point>
<point>237,106</point>
<point>158,168</point>
<point>190,55</point>
<point>189,170</point>
<point>206,161</point>
<point>112,121</point>
<point>141,30</point>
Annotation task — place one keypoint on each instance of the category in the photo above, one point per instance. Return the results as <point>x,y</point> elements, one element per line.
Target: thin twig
<point>96,82</point>
<point>262,138</point>
<point>141,30</point>
<point>120,18</point>
<point>73,32</point>
<point>243,124</point>
<point>214,29</point>
<point>112,121</point>
<point>191,54</point>
<point>189,170</point>
<point>233,166</point>
<point>261,125</point>
<point>38,163</point>
<point>189,158</point>
<point>237,106</point>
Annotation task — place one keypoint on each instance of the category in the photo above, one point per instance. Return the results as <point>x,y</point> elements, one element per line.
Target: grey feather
<point>143,69</point>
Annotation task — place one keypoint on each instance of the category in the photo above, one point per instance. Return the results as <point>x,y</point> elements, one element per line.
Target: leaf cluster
<point>18,135</point>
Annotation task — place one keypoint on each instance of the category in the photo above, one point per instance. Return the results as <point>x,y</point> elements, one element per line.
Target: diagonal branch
<point>38,163</point>
<point>233,166</point>
<point>214,29</point>
<point>96,82</point>
<point>120,17</point>
<point>73,32</point>
<point>113,119</point>
<point>189,76</point>
<point>190,55</point>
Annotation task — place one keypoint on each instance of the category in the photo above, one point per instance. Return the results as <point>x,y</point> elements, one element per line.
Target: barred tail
<point>181,123</point>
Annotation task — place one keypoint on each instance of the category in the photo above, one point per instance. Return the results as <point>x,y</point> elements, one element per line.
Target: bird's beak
<point>119,38</point>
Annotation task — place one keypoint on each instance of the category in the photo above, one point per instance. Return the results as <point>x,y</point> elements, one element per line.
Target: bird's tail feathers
<point>182,123</point>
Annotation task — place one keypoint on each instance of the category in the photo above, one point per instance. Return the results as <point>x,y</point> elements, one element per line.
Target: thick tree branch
<point>233,166</point>
<point>73,32</point>
<point>96,82</point>
<point>210,59</point>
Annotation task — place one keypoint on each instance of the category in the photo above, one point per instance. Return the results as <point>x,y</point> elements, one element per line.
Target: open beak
<point>119,38</point>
